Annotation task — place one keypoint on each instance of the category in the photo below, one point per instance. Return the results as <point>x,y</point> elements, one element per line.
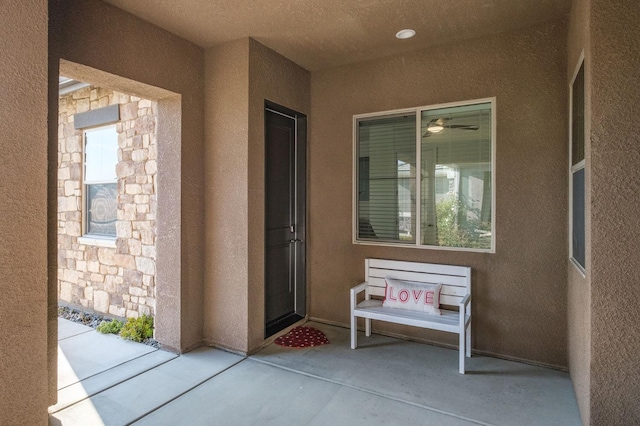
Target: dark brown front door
<point>285,155</point>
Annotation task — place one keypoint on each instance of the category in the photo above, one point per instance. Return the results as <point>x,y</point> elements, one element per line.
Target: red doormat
<point>302,337</point>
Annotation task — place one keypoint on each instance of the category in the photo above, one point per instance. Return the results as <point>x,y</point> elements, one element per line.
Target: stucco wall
<point>579,285</point>
<point>23,214</point>
<point>240,75</point>
<point>118,280</point>
<point>139,58</point>
<point>226,186</point>
<point>615,225</point>
<point>519,293</point>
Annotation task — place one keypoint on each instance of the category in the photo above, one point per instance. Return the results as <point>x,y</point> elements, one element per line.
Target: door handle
<point>295,241</point>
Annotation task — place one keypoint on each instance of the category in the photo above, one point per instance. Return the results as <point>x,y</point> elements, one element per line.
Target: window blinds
<point>387,164</point>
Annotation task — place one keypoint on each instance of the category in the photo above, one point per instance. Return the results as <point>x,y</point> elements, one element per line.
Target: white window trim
<point>575,168</point>
<point>417,111</point>
<point>92,240</point>
<point>86,238</point>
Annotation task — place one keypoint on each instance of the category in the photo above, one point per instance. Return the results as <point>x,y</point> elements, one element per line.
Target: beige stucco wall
<point>240,75</point>
<point>226,203</point>
<point>23,214</point>
<point>579,285</point>
<point>519,293</point>
<point>131,55</point>
<point>615,223</point>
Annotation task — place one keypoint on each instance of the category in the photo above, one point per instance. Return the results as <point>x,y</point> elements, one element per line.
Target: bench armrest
<point>465,301</point>
<point>465,309</point>
<point>359,288</point>
<point>354,293</point>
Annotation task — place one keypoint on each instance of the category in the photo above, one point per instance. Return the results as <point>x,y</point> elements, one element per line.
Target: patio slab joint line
<point>76,335</point>
<point>184,392</point>
<point>112,385</point>
<point>110,368</point>
<point>425,407</point>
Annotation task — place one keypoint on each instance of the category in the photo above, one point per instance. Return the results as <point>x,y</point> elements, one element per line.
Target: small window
<point>100,181</point>
<point>577,182</point>
<point>425,177</point>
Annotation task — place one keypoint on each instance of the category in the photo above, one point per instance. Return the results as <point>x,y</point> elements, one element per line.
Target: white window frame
<point>577,167</point>
<point>87,238</point>
<point>417,111</point>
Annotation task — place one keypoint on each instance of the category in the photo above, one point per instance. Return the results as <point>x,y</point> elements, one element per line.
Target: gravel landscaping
<point>93,321</point>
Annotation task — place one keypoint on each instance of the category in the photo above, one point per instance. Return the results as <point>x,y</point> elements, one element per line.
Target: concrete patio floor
<point>106,380</point>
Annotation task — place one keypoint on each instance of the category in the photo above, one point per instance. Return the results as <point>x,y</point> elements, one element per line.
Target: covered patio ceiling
<point>319,34</point>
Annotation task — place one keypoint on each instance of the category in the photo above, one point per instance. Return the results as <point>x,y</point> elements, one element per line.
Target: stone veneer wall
<point>117,281</point>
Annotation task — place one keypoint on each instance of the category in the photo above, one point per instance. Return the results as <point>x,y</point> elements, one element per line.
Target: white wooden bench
<point>455,292</point>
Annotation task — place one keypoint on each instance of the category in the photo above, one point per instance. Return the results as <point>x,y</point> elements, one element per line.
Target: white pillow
<point>412,296</point>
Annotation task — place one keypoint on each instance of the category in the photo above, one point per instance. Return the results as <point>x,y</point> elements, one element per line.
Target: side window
<point>100,181</point>
<point>577,183</point>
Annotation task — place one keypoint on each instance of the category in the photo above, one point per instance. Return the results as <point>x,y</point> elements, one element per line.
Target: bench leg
<point>462,351</point>
<point>354,332</point>
<point>367,327</point>
<point>468,333</point>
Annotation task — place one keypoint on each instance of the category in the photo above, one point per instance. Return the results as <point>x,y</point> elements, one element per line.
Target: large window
<point>425,177</point>
<point>577,182</point>
<point>100,182</point>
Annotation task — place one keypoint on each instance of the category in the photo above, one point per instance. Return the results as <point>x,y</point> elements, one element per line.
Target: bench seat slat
<point>448,321</point>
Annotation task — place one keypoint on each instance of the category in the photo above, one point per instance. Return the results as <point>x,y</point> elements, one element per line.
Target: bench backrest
<point>455,280</point>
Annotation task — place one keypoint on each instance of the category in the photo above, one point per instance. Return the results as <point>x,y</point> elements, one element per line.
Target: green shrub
<point>110,327</point>
<point>459,225</point>
<point>138,329</point>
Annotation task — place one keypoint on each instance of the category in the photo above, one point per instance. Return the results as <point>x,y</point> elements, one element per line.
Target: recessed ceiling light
<point>404,34</point>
